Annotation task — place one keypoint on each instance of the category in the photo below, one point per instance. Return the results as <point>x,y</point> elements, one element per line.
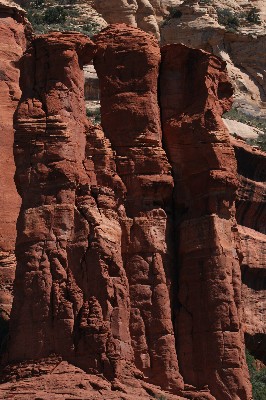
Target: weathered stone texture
<point>131,235</point>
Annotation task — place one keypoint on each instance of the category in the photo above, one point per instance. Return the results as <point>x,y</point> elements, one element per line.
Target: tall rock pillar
<point>194,93</point>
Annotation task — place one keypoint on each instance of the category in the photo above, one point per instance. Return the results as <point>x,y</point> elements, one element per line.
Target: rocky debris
<point>14,32</point>
<point>250,206</point>
<point>210,343</point>
<point>242,45</point>
<point>56,379</point>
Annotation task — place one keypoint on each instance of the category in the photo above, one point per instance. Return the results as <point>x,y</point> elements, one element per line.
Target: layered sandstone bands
<point>128,254</point>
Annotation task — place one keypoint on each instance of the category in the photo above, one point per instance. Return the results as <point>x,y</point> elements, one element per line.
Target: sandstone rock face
<point>208,321</point>
<point>13,32</point>
<point>251,219</point>
<point>128,254</point>
<point>243,49</point>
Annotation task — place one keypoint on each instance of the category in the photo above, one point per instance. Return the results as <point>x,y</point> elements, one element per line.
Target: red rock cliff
<point>128,254</point>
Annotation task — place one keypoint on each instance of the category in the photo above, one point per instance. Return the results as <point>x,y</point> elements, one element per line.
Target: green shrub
<point>46,18</point>
<point>257,377</point>
<point>228,18</point>
<point>94,116</point>
<point>55,15</point>
<point>175,13</point>
<point>253,16</point>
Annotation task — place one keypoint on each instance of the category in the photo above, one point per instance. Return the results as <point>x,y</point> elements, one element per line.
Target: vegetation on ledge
<point>257,377</point>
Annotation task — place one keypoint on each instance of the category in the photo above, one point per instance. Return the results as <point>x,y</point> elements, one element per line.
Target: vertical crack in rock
<point>127,63</point>
<point>194,92</point>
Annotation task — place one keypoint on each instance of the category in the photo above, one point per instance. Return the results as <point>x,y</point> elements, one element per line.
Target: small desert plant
<point>55,15</point>
<point>94,116</point>
<point>257,378</point>
<point>46,18</point>
<point>228,18</point>
<point>253,16</point>
<point>174,13</point>
<point>255,122</point>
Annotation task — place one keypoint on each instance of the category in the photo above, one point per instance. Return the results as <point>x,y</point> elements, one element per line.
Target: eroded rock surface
<point>128,253</point>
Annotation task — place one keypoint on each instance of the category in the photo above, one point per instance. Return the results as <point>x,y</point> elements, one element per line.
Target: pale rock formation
<point>243,50</point>
<point>242,130</point>
<point>146,14</point>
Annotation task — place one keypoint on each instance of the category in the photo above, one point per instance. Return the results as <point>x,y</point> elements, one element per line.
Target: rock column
<point>194,92</point>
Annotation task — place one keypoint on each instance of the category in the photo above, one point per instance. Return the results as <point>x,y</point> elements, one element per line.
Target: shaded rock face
<point>13,32</point>
<point>208,321</point>
<point>250,207</point>
<point>128,254</point>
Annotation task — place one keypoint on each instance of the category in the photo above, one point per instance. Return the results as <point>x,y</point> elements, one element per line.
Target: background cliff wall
<point>233,30</point>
